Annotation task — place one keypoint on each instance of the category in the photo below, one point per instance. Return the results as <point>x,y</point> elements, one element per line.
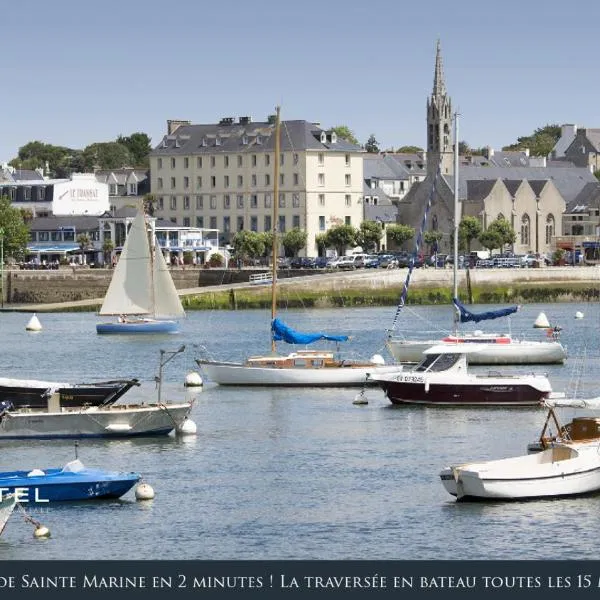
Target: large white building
<point>220,176</point>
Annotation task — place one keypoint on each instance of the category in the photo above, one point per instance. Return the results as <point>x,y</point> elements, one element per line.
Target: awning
<point>52,248</point>
<point>591,244</point>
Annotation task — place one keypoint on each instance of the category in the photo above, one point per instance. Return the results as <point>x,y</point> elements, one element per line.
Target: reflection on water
<point>293,473</point>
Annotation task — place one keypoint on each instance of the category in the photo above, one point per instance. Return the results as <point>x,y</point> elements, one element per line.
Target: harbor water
<point>294,473</point>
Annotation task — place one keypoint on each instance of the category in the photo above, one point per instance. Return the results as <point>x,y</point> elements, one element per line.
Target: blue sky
<point>74,72</point>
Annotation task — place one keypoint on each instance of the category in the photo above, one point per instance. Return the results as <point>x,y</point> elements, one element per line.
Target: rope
<point>411,264</point>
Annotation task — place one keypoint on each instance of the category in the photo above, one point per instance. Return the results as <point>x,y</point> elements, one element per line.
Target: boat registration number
<point>412,378</point>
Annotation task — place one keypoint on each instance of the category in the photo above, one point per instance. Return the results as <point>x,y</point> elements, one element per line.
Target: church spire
<point>439,87</point>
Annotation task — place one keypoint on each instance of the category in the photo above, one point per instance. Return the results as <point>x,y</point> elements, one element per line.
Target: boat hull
<point>7,505</point>
<point>117,421</point>
<point>137,327</point>
<point>513,353</point>
<point>58,486</point>
<point>491,393</point>
<point>243,375</point>
<point>527,477</point>
<point>33,393</point>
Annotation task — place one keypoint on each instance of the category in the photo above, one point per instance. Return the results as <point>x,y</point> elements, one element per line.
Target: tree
<point>107,247</point>
<point>60,161</point>
<point>321,243</point>
<point>504,230</point>
<point>372,145</point>
<point>106,155</point>
<point>409,149</point>
<point>490,239</point>
<point>469,229</point>
<point>540,143</point>
<point>399,234</point>
<point>344,132</point>
<point>369,235</point>
<point>464,148</point>
<point>293,241</point>
<point>340,237</point>
<point>139,147</point>
<point>432,238</point>
<point>84,243</point>
<point>16,232</point>
<point>248,244</point>
<point>149,204</point>
<point>267,238</point>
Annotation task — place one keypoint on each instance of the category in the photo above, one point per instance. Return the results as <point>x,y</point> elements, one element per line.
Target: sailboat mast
<point>275,219</point>
<point>151,250</point>
<point>456,214</point>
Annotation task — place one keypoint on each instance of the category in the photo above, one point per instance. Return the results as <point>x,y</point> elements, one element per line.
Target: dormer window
<point>323,137</point>
<point>217,141</point>
<point>245,140</point>
<point>333,137</point>
<point>258,139</point>
<point>112,189</point>
<point>204,142</point>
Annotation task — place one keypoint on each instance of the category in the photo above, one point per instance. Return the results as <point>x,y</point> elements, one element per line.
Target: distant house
<point>125,185</point>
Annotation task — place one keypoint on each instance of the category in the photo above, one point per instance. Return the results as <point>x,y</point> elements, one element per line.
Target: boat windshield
<point>438,362</point>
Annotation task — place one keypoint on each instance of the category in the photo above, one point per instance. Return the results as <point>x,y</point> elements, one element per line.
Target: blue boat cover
<point>466,315</point>
<point>282,332</point>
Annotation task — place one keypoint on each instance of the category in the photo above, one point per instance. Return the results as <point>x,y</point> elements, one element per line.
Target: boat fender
<point>426,386</point>
<point>144,491</point>
<point>41,532</point>
<point>188,427</point>
<point>193,379</point>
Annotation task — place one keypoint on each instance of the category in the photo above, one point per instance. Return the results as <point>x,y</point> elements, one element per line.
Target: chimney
<point>173,125</point>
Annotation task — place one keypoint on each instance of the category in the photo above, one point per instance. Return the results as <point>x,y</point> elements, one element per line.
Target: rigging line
<point>411,264</point>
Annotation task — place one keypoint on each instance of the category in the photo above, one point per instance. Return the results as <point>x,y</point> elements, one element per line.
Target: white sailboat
<point>141,292</point>
<point>495,349</point>
<point>300,368</point>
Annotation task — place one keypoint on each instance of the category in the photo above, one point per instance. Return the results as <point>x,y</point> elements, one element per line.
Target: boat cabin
<point>444,358</point>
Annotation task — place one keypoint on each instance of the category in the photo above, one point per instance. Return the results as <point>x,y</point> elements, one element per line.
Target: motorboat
<point>73,482</point>
<point>495,349</point>
<point>442,378</point>
<point>567,464</point>
<point>33,393</point>
<point>141,291</point>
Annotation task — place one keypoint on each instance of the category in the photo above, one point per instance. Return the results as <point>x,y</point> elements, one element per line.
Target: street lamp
<point>2,267</point>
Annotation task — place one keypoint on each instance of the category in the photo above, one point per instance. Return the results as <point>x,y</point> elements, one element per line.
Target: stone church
<point>531,198</point>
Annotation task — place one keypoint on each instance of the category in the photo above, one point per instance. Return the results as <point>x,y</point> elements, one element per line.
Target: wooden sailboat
<point>141,292</point>
<point>300,368</point>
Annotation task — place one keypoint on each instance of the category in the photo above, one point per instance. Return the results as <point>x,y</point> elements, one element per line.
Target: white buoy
<point>41,532</point>
<point>579,315</point>
<point>542,321</point>
<point>144,491</point>
<point>360,399</point>
<point>193,379</point>
<point>377,359</point>
<point>188,427</point>
<point>33,324</point>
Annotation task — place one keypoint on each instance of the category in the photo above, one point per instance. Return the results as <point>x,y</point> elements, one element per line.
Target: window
<point>200,222</point>
<point>240,160</point>
<point>282,223</point>
<point>347,160</point>
<point>198,183</point>
<point>159,163</point>
<point>199,202</point>
<point>321,199</point>
<point>348,200</point>
<point>159,183</point>
<point>268,223</point>
<point>186,182</point>
<point>186,162</point>
<point>226,181</point>
<point>296,179</point>
<point>199,162</point>
<point>267,200</point>
<point>174,220</point>
<point>296,221</point>
<point>549,229</point>
<point>281,179</point>
<point>240,223</point>
<point>254,202</point>
<point>226,224</point>
<point>267,180</point>
<point>55,236</point>
<point>41,193</point>
<point>173,183</point>
<point>173,203</point>
<point>254,160</point>
<point>321,178</point>
<point>295,200</point>
<point>282,200</point>
<point>161,203</point>
<point>186,203</point>
<point>348,179</point>
<point>240,200</point>
<point>281,161</point>
<point>295,158</point>
<point>253,223</point>
<point>213,203</point>
<point>213,161</point>
<point>525,230</point>
<point>186,221</point>
<point>240,181</point>
<point>43,236</point>
<point>213,223</point>
<point>173,163</point>
<point>347,221</point>
<point>226,201</point>
<point>226,161</point>
<point>253,180</point>
<point>32,236</point>
<point>133,189</point>
<point>267,160</point>
<point>320,159</point>
<point>213,181</point>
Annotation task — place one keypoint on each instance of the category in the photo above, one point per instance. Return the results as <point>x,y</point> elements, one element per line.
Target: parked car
<point>303,262</point>
<point>388,261</point>
<point>372,261</point>
<point>321,262</point>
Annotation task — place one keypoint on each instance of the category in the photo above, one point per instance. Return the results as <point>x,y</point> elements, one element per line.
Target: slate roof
<point>120,176</point>
<point>54,223</point>
<point>477,191</point>
<point>588,197</point>
<point>248,137</point>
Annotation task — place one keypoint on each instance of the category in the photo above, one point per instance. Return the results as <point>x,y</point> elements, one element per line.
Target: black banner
<point>276,579</point>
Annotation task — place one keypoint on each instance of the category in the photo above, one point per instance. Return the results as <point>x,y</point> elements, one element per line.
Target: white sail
<point>141,285</point>
<point>166,298</point>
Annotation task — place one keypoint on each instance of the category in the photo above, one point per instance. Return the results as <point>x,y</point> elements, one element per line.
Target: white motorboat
<point>442,378</point>
<point>567,464</point>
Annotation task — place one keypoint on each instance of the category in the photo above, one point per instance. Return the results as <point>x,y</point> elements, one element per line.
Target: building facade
<point>220,176</point>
